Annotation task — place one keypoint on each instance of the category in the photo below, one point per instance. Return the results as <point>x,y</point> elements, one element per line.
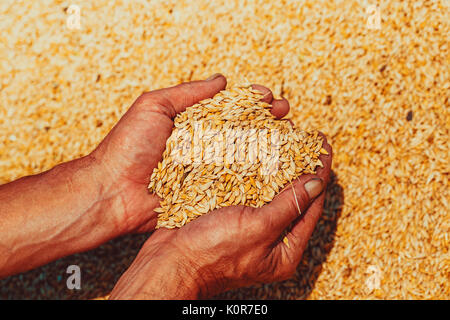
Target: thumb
<point>184,95</point>
<point>290,203</point>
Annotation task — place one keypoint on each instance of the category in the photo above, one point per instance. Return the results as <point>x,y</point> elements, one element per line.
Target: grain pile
<point>380,93</point>
<point>229,150</point>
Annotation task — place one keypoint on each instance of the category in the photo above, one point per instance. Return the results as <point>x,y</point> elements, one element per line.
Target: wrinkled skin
<point>228,248</point>
<point>81,204</point>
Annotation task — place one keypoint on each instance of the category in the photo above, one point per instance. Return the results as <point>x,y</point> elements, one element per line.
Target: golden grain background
<point>379,92</point>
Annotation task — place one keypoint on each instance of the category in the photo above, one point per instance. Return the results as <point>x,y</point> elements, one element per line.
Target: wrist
<point>59,212</point>
<point>171,279</point>
<point>171,265</point>
<point>159,272</point>
<point>188,271</point>
<point>124,198</point>
<point>85,179</point>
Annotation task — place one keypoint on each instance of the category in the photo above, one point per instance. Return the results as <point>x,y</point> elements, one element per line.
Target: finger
<point>289,204</point>
<point>303,228</point>
<point>326,160</point>
<point>286,206</point>
<point>268,96</point>
<point>184,95</point>
<point>280,108</point>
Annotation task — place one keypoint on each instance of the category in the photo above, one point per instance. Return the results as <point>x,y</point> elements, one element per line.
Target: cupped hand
<point>240,246</point>
<point>233,246</point>
<point>133,148</point>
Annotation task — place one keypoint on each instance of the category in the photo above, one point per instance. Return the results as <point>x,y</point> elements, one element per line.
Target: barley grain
<point>391,174</point>
<point>248,120</point>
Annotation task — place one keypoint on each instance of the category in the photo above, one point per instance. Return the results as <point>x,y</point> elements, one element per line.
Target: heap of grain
<point>229,150</point>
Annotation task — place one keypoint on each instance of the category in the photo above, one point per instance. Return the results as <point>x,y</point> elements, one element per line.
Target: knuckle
<point>145,98</point>
<point>321,134</point>
<point>152,101</point>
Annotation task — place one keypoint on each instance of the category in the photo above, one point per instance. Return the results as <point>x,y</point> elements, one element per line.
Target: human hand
<point>133,148</point>
<point>230,247</point>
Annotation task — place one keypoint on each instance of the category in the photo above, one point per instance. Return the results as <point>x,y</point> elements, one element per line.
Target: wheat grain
<point>257,157</point>
<point>380,96</point>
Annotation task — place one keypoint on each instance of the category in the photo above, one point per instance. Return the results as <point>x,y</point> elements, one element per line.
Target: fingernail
<point>314,187</point>
<point>214,76</point>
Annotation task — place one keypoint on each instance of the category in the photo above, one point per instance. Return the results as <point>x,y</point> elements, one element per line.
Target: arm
<point>160,271</point>
<point>53,214</point>
<point>79,205</point>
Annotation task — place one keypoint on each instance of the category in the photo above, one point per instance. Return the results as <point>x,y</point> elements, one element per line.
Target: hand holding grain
<point>134,146</point>
<point>88,201</point>
<point>232,247</point>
